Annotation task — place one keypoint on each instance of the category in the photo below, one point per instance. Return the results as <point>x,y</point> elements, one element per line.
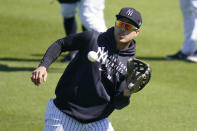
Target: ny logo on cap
<point>129,12</point>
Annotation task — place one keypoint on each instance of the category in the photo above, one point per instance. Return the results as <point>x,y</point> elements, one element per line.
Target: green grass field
<point>28,27</point>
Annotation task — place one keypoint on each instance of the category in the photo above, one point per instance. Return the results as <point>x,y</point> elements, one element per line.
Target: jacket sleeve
<point>70,43</point>
<point>120,101</point>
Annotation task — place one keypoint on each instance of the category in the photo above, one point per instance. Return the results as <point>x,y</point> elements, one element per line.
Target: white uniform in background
<point>189,11</point>
<point>91,13</point>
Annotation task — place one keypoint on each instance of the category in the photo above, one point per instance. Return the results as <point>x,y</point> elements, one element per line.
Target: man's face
<point>123,32</point>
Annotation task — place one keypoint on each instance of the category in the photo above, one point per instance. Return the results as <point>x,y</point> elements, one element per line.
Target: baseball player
<point>91,89</point>
<point>91,13</point>
<point>188,51</point>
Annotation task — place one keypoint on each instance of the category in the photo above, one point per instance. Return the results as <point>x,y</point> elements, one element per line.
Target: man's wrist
<point>43,67</point>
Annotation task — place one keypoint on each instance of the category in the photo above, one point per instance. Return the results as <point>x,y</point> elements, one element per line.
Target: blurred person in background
<point>91,13</point>
<point>188,51</point>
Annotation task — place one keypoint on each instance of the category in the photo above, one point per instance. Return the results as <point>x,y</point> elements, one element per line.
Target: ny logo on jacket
<point>110,63</point>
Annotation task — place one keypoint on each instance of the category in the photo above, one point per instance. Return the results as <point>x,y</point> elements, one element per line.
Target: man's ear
<point>137,32</point>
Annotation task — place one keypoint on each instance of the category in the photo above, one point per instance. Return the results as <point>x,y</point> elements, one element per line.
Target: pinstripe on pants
<point>55,120</point>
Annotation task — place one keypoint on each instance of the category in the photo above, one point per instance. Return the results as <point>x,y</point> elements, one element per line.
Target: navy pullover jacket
<point>91,91</point>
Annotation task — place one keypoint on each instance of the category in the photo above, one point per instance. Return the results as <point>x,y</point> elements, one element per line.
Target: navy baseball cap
<point>133,15</point>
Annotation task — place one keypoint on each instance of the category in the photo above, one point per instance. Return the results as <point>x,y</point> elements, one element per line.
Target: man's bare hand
<point>39,74</point>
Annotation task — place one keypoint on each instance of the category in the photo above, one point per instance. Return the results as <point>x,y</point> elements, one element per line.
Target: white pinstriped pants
<point>55,120</point>
<point>189,11</point>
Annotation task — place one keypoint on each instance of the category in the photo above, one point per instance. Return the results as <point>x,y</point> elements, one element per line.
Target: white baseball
<point>92,56</point>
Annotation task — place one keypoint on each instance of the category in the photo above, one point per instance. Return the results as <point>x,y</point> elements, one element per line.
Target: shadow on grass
<point>27,59</point>
<point>20,59</point>
<point>10,69</point>
<point>6,68</point>
<point>152,58</point>
<point>40,55</point>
